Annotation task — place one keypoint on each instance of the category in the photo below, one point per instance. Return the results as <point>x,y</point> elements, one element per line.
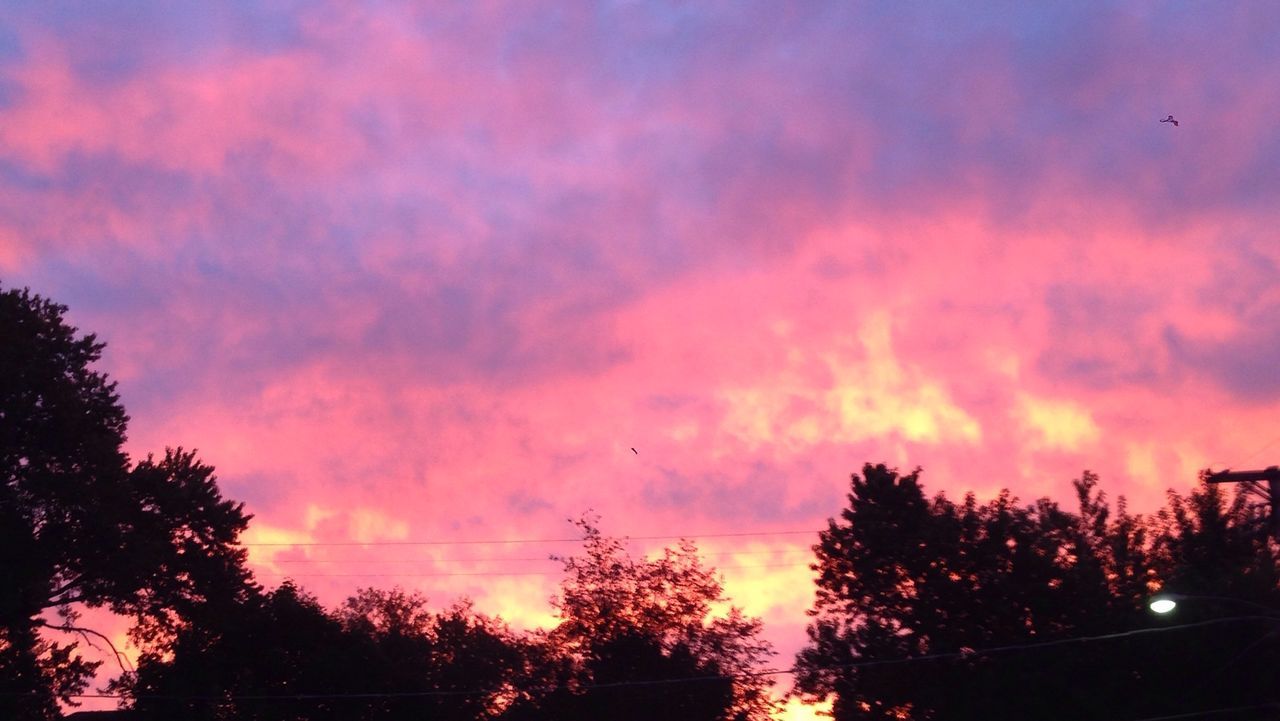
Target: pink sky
<point>430,275</point>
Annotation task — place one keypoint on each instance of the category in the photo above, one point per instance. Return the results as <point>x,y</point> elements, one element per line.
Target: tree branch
<point>65,587</point>
<point>121,659</point>
<point>63,601</point>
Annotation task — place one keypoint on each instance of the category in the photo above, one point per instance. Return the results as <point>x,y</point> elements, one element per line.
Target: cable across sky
<point>866,663</point>
<point>498,541</point>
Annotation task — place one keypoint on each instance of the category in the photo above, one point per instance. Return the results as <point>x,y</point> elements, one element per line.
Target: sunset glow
<point>413,277</point>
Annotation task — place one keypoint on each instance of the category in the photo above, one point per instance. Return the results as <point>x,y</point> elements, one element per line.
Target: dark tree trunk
<point>24,692</point>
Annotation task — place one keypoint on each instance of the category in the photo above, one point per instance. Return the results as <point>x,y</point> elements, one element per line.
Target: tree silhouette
<point>78,525</point>
<point>382,655</point>
<point>263,644</point>
<point>638,639</point>
<point>470,666</point>
<point>902,577</point>
<point>1205,542</point>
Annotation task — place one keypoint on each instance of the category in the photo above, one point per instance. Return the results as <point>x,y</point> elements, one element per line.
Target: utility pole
<point>1271,475</point>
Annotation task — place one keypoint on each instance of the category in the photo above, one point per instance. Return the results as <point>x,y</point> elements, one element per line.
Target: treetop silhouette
<point>79,524</point>
<point>902,576</point>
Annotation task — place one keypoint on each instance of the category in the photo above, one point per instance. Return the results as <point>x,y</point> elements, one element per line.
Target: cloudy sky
<point>429,273</point>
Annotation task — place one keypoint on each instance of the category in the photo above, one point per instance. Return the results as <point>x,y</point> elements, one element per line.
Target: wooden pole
<point>1271,475</point>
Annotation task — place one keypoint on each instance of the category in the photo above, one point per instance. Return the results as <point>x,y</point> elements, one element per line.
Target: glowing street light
<point>1166,602</point>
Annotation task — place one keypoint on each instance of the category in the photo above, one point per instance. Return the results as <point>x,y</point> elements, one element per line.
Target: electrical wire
<point>1258,452</point>
<point>867,663</point>
<point>498,559</point>
<point>1211,711</point>
<point>430,574</point>
<point>1255,454</point>
<point>491,542</point>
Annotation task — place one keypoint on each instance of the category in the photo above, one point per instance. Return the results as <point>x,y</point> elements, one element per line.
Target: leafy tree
<point>1220,551</point>
<point>467,665</point>
<point>1203,542</point>
<point>385,655</point>
<point>381,656</point>
<point>268,643</point>
<point>626,623</point>
<point>78,523</point>
<point>902,576</point>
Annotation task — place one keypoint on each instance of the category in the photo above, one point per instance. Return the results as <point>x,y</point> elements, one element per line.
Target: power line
<point>1251,456</point>
<point>499,559</point>
<point>693,536</point>
<point>1207,712</point>
<point>433,574</point>
<point>867,663</point>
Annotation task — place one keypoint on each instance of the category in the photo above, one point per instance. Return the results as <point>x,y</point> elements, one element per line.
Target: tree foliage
<point>382,655</point>
<point>474,664</point>
<point>640,638</point>
<point>636,638</point>
<point>79,524</point>
<point>903,576</point>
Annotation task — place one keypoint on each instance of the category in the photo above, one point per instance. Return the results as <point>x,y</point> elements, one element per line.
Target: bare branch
<point>65,600</point>
<point>121,659</point>
<point>75,581</point>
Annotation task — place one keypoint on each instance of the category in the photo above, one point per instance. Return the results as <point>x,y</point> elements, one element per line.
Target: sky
<point>429,272</point>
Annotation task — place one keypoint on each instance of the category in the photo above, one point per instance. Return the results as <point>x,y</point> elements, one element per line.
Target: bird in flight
<point>1170,120</point>
<point>635,451</point>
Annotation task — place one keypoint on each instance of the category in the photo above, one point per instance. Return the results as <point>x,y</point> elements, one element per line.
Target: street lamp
<point>1166,602</point>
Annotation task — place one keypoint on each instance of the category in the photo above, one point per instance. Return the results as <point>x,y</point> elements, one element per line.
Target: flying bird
<point>1170,120</point>
<point>635,451</point>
